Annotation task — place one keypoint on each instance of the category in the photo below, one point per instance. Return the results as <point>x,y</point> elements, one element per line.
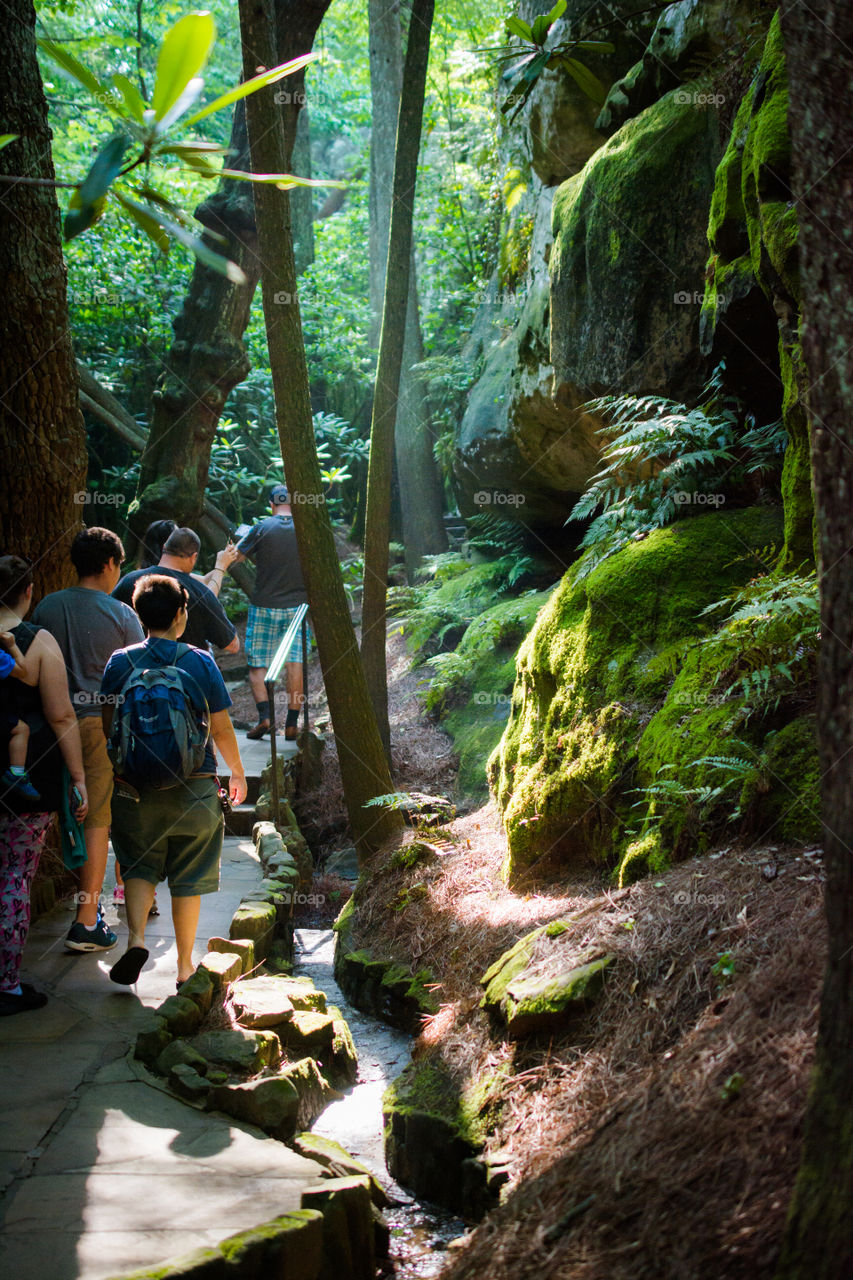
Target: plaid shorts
<point>265,632</point>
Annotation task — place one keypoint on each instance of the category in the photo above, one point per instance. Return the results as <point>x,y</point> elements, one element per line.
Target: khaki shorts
<point>98,769</point>
<point>172,834</point>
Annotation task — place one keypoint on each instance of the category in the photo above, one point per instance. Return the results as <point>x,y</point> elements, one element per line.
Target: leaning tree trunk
<point>208,357</point>
<point>421,494</point>
<point>818,1243</point>
<point>364,769</point>
<point>42,439</point>
<point>391,343</point>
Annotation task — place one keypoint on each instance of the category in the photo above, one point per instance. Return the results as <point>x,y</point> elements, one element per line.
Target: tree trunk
<point>302,198</point>
<point>818,1242</point>
<point>208,357</point>
<point>42,438</point>
<point>421,494</point>
<point>364,770</point>
<point>390,361</point>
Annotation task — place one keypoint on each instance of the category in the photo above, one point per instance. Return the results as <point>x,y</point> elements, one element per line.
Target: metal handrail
<point>273,673</point>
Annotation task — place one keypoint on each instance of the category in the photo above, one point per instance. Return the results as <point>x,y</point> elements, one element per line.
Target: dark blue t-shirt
<point>196,662</point>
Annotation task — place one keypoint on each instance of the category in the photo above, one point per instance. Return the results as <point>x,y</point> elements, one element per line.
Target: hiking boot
<point>262,727</point>
<point>98,939</point>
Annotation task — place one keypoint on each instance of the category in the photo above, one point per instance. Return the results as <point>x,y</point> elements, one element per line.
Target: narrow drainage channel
<point>419,1231</point>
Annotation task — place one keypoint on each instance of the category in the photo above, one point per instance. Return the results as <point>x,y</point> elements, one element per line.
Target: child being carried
<point>16,732</point>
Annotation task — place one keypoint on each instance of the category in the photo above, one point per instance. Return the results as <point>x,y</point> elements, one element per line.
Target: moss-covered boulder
<point>750,313</point>
<point>597,709</point>
<point>435,1127</point>
<point>628,261</point>
<point>238,1050</point>
<point>254,920</point>
<point>472,690</point>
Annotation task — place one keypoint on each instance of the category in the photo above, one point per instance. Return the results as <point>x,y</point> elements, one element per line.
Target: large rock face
<point>750,316</point>
<point>505,460</point>
<point>618,310</point>
<point>629,255</point>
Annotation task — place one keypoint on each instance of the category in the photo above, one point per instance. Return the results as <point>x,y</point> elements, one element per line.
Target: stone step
<point>240,820</point>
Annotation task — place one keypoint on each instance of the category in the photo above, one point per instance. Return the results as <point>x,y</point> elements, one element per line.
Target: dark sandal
<point>128,967</point>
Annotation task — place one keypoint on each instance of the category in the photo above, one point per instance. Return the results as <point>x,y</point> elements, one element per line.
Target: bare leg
<point>138,896</point>
<point>293,676</point>
<point>185,912</point>
<point>257,675</point>
<point>18,739</point>
<point>92,874</point>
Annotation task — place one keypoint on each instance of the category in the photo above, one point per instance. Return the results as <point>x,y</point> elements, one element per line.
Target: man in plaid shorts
<point>279,590</point>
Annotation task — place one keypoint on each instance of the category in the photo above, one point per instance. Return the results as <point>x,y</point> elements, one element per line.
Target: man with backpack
<point>165,704</point>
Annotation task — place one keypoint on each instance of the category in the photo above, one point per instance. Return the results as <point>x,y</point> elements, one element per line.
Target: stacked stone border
<point>277,1069</point>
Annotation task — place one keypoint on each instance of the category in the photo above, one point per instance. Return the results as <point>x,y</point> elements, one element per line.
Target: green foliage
<point>144,130</point>
<point>770,638</point>
<point>544,56</point>
<point>724,967</point>
<point>667,461</point>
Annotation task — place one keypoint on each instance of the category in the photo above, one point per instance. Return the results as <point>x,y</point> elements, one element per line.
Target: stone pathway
<point>101,1170</point>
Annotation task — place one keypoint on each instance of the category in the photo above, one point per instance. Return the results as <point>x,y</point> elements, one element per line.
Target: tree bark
<point>364,769</point>
<point>818,1242</point>
<point>42,438</point>
<point>208,357</point>
<point>391,343</point>
<point>421,494</point>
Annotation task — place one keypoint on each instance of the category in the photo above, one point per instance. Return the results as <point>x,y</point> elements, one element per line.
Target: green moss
<point>644,856</point>
<point>790,808</point>
<point>619,190</point>
<point>797,496</point>
<point>754,238</point>
<point>343,923</point>
<point>593,671</point>
<point>471,1108</point>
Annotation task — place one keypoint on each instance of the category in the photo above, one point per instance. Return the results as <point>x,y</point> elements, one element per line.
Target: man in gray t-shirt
<point>279,590</point>
<point>89,625</point>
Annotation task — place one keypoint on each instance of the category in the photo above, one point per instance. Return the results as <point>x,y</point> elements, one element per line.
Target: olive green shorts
<point>173,834</point>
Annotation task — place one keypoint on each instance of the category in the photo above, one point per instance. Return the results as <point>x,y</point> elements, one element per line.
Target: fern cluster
<point>771,635</point>
<point>664,460</point>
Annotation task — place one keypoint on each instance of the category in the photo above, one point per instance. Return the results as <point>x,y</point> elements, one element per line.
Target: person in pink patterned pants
<point>45,705</point>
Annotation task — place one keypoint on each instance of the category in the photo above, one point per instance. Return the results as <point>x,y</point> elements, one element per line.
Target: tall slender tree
<point>42,438</point>
<point>819,1239</point>
<point>421,495</point>
<point>364,769</point>
<point>391,344</point>
<point>208,357</point>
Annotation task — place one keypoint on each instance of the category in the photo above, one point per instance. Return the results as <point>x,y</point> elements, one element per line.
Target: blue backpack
<point>158,736</point>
